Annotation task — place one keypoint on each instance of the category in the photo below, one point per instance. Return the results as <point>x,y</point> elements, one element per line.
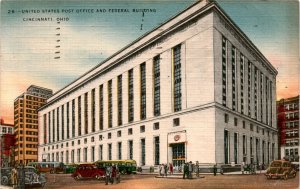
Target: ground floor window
<point>72,156</point>
<point>143,152</point>
<point>67,156</point>
<point>93,154</point>
<point>130,148</point>
<point>109,152</point>
<point>78,155</point>
<point>100,152</point>
<point>236,145</point>
<point>119,150</point>
<point>156,150</point>
<point>85,154</point>
<point>226,147</point>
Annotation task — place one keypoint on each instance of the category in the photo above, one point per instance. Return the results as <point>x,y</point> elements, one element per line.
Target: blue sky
<point>28,47</point>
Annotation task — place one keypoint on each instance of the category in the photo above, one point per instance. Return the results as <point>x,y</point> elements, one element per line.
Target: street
<point>150,182</point>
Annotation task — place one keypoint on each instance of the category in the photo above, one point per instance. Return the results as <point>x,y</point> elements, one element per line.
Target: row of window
<point>54,116</point>
<point>259,87</point>
<point>59,156</point>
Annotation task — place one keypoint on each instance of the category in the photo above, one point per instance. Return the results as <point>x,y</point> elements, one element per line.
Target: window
<point>130,148</point>
<point>101,107</point>
<point>86,113</point>
<point>244,145</point>
<point>109,93</point>
<point>226,147</point>
<point>242,59</point>
<point>244,125</point>
<point>53,125</point>
<point>143,152</point>
<point>101,152</point>
<point>177,77</point>
<point>119,133</point>
<point>93,111</point>
<point>120,100</point>
<point>79,116</point>
<point>92,139</point>
<point>142,128</point>
<point>233,61</point>
<point>78,142</point>
<point>176,122</point>
<point>78,155</point>
<point>72,143</point>
<point>100,137</point>
<point>235,121</point>
<point>93,153</point>
<point>130,96</point>
<point>119,150</point>
<point>73,118</point>
<point>67,144</point>
<point>156,84</point>
<point>109,135</point>
<point>236,146</point>
<point>109,152</point>
<point>156,150</point>
<point>143,91</point>
<point>249,88</point>
<point>224,70</point>
<point>68,121</point>
<point>72,156</point>
<point>45,127</point>
<point>156,126</point>
<point>226,118</point>
<point>85,140</point>
<point>62,123</point>
<point>49,127</point>
<point>85,154</point>
<point>130,131</point>
<point>251,127</point>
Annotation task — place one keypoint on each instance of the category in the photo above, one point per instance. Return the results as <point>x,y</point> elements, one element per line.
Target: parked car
<point>70,168</point>
<point>6,176</point>
<point>281,169</point>
<point>84,171</point>
<point>33,177</point>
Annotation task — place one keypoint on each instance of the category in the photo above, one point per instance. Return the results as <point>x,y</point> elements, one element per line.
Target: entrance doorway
<point>178,154</point>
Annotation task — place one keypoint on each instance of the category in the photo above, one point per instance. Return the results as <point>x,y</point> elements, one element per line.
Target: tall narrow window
<point>251,150</point>
<point>263,151</point>
<point>72,156</point>
<point>270,103</point>
<point>249,88</point>
<point>45,127</point>
<point>120,101</point>
<point>233,59</point>
<point>93,153</point>
<point>261,97</point>
<point>244,148</point>
<point>226,147</point>
<point>143,152</point>
<point>236,146</point>
<point>109,151</point>
<point>68,121</point>
<point>85,154</point>
<point>268,153</point>
<point>57,124</point>
<point>156,150</point>
<point>101,107</point>
<point>130,148</point>
<point>119,150</point>
<point>79,116</point>
<point>73,118</point>
<point>255,92</point>
<point>109,93</point>
<point>78,155</point>
<point>67,156</point>
<point>143,91</point>
<point>130,96</point>
<point>86,124</point>
<point>177,77</point>
<point>49,127</point>
<point>93,111</point>
<point>224,70</point>
<point>53,125</point>
<point>156,87</point>
<point>62,122</point>
<point>257,151</point>
<point>101,152</point>
<point>242,59</point>
<point>267,100</point>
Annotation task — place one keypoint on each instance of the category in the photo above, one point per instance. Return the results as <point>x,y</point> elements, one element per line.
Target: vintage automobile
<point>281,169</point>
<point>70,168</point>
<point>88,170</point>
<point>6,175</point>
<point>33,177</point>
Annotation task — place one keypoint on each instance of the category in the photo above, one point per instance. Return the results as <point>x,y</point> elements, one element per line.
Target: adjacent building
<point>7,143</point>
<point>26,122</point>
<point>288,125</point>
<point>193,89</point>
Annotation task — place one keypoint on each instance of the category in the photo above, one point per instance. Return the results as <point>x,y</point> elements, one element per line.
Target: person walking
<point>166,169</point>
<point>160,169</point>
<point>185,170</point>
<point>171,168</point>
<point>190,166</point>
<point>108,172</point>
<point>197,169</point>
<point>14,177</point>
<point>215,169</point>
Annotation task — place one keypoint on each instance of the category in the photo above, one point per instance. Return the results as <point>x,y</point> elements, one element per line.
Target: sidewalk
<point>5,187</point>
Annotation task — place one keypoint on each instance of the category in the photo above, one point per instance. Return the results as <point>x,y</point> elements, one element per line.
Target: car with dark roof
<point>280,169</point>
<point>88,171</point>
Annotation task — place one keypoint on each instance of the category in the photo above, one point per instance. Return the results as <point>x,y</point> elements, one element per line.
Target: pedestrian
<point>190,166</point>
<point>197,169</point>
<point>185,170</point>
<point>108,172</point>
<point>118,175</point>
<point>14,177</point>
<point>171,168</point>
<point>160,169</point>
<point>243,167</point>
<point>215,169</point>
<point>166,169</point>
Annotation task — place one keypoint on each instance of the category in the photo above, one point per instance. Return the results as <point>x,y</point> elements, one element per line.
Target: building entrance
<point>178,154</point>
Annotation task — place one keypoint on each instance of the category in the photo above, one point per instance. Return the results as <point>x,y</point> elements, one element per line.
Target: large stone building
<point>193,89</point>
<point>288,125</point>
<point>26,122</point>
